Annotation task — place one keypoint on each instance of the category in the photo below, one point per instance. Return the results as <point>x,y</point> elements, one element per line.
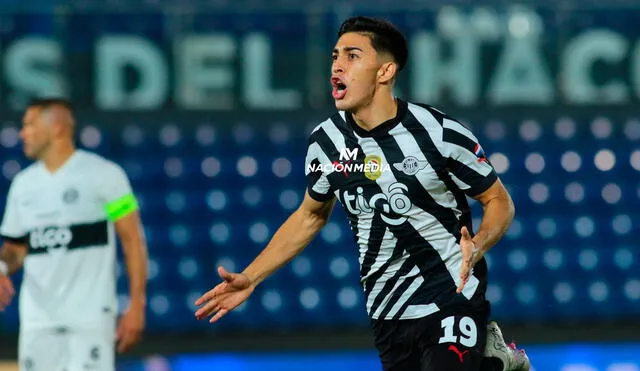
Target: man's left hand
<point>471,254</point>
<point>130,328</point>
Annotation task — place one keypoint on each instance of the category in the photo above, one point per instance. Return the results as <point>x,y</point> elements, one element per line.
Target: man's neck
<point>378,111</point>
<point>56,158</point>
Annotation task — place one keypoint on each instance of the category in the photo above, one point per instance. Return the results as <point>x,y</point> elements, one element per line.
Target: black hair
<point>45,103</point>
<point>385,37</point>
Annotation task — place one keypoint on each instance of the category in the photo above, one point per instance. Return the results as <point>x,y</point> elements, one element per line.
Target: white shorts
<point>67,349</point>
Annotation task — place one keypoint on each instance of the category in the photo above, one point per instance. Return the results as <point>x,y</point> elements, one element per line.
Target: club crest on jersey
<point>480,153</point>
<point>70,196</point>
<point>410,165</point>
<point>373,167</point>
<point>95,353</point>
<point>28,363</point>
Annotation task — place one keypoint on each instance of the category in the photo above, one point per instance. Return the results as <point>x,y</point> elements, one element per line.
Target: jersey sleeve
<point>318,185</point>
<point>466,160</point>
<point>12,229</point>
<point>116,193</point>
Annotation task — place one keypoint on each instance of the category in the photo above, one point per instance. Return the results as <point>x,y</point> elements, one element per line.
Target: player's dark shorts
<point>447,340</point>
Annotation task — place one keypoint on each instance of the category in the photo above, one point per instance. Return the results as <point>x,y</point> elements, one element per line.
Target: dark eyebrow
<point>347,49</point>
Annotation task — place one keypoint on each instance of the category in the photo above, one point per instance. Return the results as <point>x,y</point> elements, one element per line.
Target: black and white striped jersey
<point>403,186</point>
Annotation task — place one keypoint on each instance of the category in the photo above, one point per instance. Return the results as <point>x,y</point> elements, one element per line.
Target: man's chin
<point>30,155</point>
<point>341,105</point>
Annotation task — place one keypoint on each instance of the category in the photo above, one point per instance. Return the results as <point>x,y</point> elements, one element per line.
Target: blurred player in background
<point>61,218</point>
<point>402,172</point>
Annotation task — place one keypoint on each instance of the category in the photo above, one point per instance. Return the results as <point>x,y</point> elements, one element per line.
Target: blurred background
<point>207,105</point>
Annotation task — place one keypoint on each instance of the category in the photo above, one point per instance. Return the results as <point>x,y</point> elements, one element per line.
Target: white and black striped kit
<point>406,219</point>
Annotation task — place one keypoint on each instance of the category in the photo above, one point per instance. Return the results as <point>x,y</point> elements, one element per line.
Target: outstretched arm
<point>290,239</point>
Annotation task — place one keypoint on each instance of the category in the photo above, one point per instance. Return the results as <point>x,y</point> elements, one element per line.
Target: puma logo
<point>456,351</point>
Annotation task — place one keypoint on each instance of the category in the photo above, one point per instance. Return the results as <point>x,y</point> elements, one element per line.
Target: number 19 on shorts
<point>467,330</point>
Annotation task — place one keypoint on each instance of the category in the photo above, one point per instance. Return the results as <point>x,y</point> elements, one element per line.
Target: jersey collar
<point>383,128</point>
<point>68,163</point>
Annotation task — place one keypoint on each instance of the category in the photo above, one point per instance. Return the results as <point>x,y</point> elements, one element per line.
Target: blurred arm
<point>13,254</point>
<point>131,234</point>
<point>15,236</point>
<point>291,238</point>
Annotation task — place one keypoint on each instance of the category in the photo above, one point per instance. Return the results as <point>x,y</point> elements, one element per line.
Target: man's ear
<point>387,72</point>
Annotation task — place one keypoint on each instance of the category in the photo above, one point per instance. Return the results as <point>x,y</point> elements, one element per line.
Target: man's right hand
<point>6,291</point>
<point>225,297</point>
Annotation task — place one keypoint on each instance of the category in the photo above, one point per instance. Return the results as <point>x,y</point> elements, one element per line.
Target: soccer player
<point>61,217</point>
<point>402,172</point>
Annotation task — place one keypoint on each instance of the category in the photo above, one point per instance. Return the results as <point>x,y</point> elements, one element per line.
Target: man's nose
<point>337,67</point>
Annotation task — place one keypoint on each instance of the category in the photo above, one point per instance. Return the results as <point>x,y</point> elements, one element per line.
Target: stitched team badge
<point>373,167</point>
<point>410,165</point>
<point>70,196</point>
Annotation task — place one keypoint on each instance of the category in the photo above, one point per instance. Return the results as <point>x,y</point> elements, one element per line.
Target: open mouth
<point>339,88</point>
